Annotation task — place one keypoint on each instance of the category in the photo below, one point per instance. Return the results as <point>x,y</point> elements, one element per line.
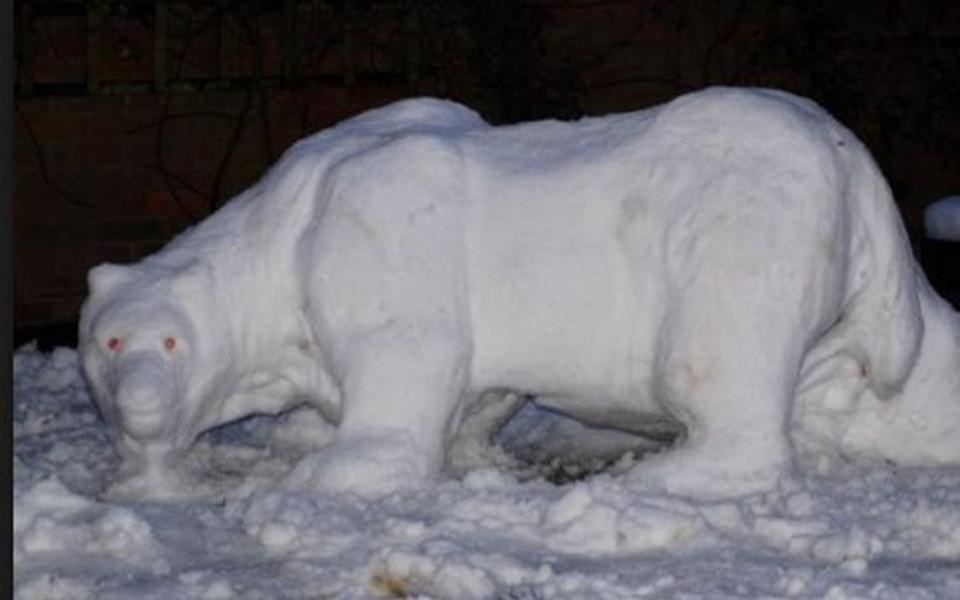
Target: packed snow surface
<point>861,532</point>
<point>941,219</point>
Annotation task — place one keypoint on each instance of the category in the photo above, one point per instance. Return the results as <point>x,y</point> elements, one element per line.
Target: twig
<point>168,176</point>
<point>42,162</point>
<point>215,199</point>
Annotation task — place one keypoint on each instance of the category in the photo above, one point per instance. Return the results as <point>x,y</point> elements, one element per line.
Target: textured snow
<point>863,532</point>
<point>941,219</point>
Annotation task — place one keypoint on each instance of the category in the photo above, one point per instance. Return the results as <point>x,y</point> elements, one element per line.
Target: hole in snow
<point>537,442</point>
<point>561,449</point>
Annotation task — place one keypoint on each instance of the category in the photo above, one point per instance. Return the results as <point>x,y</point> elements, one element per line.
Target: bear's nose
<point>145,411</point>
<point>145,395</point>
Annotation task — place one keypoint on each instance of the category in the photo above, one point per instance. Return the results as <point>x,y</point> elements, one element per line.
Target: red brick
<point>70,260</point>
<point>34,312</point>
<point>162,203</point>
<point>139,149</point>
<point>67,309</point>
<point>34,199</point>
<point>284,138</point>
<point>93,152</point>
<point>84,104</point>
<point>127,51</point>
<point>51,126</point>
<point>107,124</point>
<point>94,186</point>
<point>33,257</point>
<point>148,102</point>
<point>47,238</point>
<point>96,254</point>
<point>138,251</point>
<point>130,229</point>
<point>46,285</point>
<point>24,152</point>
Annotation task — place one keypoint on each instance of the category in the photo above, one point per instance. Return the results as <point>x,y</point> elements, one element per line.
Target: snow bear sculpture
<point>693,267</point>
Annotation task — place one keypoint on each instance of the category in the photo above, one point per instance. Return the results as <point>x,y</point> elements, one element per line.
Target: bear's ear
<point>104,278</point>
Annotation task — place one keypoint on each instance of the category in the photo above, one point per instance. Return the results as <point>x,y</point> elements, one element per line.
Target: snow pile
<point>941,219</point>
<point>878,533</point>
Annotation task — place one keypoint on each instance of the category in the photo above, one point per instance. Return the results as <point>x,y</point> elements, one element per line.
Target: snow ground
<point>507,533</point>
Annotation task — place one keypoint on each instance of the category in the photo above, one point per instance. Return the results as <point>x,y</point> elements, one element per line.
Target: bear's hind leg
<point>729,377</point>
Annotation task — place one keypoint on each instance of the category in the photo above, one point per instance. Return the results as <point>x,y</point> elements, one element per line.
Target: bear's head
<point>148,366</point>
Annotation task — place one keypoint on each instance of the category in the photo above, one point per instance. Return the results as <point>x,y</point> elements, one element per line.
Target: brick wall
<point>90,182</point>
<point>112,176</point>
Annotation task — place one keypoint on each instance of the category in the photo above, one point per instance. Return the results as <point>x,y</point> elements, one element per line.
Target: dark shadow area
<point>941,262</point>
<point>47,337</point>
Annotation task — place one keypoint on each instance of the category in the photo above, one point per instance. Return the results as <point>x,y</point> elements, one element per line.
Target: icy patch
<point>941,220</point>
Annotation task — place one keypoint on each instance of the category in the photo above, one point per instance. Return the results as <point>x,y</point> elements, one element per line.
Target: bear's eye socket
<point>114,344</point>
<point>170,343</point>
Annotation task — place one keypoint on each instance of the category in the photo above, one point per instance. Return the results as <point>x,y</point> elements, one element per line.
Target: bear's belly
<point>583,354</point>
<point>577,328</point>
<point>637,414</point>
<point>566,297</point>
<point>590,369</point>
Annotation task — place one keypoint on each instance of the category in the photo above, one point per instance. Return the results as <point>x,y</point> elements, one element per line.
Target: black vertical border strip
<point>6,277</point>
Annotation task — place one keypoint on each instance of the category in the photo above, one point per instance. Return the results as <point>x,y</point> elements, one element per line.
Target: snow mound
<point>941,220</point>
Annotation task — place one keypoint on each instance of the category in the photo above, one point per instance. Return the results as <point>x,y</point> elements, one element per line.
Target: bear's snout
<point>145,395</point>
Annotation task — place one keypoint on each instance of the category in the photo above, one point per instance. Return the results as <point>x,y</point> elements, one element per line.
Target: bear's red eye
<point>113,343</point>
<point>170,343</point>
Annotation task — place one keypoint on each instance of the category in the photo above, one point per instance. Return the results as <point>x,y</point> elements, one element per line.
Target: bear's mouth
<point>144,407</point>
<point>145,421</point>
<point>154,414</point>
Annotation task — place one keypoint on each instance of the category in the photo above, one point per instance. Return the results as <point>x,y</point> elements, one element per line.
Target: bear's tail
<point>882,314</point>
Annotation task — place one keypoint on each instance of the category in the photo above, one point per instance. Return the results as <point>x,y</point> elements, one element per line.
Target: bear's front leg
<point>158,471</point>
<point>401,392</point>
